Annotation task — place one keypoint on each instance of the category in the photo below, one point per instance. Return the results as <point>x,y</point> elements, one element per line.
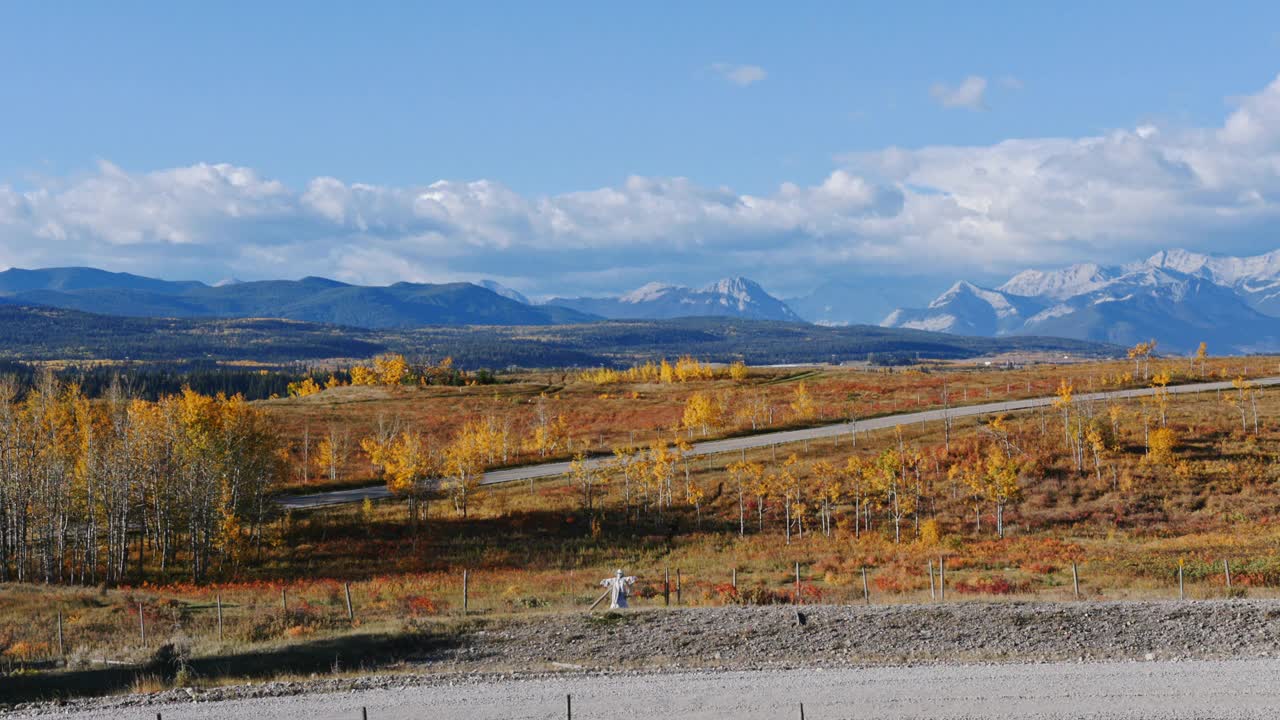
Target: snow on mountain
<point>1177,297</point>
<point>504,291</point>
<point>730,297</point>
<point>967,309</point>
<point>1256,278</point>
<point>648,293</point>
<point>1059,284</point>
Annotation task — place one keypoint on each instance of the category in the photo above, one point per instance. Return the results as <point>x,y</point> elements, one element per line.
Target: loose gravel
<point>888,657</point>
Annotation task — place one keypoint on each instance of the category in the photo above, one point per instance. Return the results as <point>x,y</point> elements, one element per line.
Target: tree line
<point>126,489</point>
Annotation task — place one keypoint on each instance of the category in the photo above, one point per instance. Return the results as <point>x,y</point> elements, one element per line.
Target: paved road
<point>716,447</point>
<point>1227,689</point>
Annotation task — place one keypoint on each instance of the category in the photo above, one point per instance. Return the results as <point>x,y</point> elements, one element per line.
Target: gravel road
<point>972,659</point>
<point>730,445</point>
<point>1188,689</point>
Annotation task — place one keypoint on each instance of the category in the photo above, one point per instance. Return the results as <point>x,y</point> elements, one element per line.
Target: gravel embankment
<point>1222,689</point>
<point>555,648</point>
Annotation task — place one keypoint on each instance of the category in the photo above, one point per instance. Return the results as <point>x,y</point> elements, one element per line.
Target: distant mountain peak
<point>504,291</point>
<point>648,292</point>
<point>728,297</point>
<point>228,282</point>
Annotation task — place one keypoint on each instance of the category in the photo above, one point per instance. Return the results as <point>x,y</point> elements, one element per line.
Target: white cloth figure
<point>619,588</point>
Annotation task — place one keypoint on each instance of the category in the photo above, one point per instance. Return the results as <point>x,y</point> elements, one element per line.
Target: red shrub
<point>990,586</point>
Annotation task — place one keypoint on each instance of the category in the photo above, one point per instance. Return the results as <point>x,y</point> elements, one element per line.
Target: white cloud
<point>950,210</point>
<point>740,75</point>
<point>969,94</point>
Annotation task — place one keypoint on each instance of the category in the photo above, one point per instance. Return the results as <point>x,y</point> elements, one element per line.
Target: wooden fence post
<point>62,651</point>
<point>219,603</point>
<point>933,590</point>
<point>679,587</point>
<point>284,602</point>
<point>1182,595</point>
<point>666,587</point>
<point>466,590</point>
<point>142,624</point>
<point>351,613</point>
<point>942,578</point>
<point>1226,569</point>
<point>866,590</point>
<point>1075,579</point>
<point>735,578</point>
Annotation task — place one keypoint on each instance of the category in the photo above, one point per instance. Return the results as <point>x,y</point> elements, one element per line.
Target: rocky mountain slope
<point>736,297</point>
<point>1175,297</point>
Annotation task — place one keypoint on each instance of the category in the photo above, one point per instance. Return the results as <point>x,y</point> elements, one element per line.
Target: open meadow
<point>1165,497</point>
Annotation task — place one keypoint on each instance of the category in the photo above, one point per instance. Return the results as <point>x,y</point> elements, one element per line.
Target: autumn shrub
<point>754,595</point>
<point>985,585</point>
<point>892,583</point>
<point>299,620</point>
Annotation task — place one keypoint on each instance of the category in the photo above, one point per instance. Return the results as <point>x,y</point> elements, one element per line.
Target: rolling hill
<point>311,299</point>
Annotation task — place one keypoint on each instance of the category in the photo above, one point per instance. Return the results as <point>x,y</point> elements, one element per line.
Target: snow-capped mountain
<point>1176,297</point>
<point>967,309</point>
<point>504,291</point>
<point>730,297</point>
<point>1059,284</point>
<point>1256,279</point>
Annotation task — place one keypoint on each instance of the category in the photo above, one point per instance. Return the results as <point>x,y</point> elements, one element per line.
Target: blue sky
<point>235,139</point>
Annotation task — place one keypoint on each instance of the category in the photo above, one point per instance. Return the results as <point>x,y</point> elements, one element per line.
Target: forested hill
<point>309,299</point>
<point>42,333</point>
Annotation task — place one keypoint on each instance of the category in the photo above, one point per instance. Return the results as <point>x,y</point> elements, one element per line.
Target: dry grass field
<point>1128,493</point>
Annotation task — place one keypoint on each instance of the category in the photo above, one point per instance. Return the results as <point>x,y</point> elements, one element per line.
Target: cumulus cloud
<point>740,75</point>
<point>969,94</point>
<point>944,209</point>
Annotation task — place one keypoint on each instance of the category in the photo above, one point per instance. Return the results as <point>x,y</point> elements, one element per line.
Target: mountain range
<point>401,305</point>
<point>1176,297</point>
<point>310,299</point>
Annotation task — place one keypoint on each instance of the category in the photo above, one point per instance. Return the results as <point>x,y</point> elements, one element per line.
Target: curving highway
<point>751,442</point>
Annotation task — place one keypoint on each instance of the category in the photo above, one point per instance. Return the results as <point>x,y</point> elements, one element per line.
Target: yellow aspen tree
<point>362,375</point>
<point>830,492</point>
<point>1160,398</point>
<point>1001,482</point>
<point>392,369</point>
<point>666,372</point>
<point>1063,402</point>
<point>304,388</point>
<point>744,474</point>
<point>585,476</point>
<point>802,405</point>
<point>702,412</point>
<point>464,464</point>
<point>1163,442</point>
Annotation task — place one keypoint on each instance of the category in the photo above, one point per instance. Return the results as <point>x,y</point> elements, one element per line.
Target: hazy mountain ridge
<point>322,300</point>
<point>1178,297</point>
<point>310,299</point>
